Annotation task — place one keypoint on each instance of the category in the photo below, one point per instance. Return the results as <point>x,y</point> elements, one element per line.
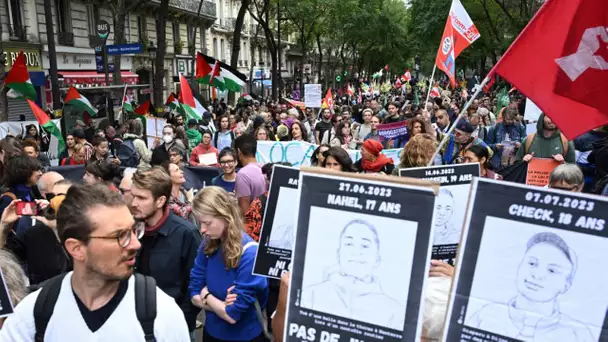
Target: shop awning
<point>92,77</point>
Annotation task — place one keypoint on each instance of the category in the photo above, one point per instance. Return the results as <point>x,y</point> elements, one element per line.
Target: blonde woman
<point>221,282</point>
<point>417,152</point>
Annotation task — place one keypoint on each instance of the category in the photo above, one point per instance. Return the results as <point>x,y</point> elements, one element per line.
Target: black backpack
<point>145,304</point>
<point>127,154</point>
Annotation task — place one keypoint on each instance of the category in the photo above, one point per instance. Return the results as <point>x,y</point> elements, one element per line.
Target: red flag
<point>328,100</point>
<point>435,92</point>
<point>490,83</point>
<point>407,76</point>
<point>459,33</point>
<point>215,73</point>
<point>560,61</point>
<point>386,67</point>
<point>398,84</point>
<point>144,108</point>
<point>349,90</point>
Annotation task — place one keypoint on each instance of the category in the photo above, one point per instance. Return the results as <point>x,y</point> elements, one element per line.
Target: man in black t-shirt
<point>323,125</point>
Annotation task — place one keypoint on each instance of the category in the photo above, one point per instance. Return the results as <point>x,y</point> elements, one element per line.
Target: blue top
<point>219,181</point>
<point>210,271</point>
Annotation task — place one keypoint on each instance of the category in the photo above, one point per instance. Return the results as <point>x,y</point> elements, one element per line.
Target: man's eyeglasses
<point>123,237</point>
<point>226,162</point>
<point>572,188</point>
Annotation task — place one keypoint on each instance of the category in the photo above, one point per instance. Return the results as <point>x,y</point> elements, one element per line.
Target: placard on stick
<point>450,205</point>
<point>365,238</point>
<point>278,234</point>
<point>527,266</point>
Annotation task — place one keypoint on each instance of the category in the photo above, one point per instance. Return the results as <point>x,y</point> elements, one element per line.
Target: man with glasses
<point>568,177</point>
<point>228,164</point>
<point>97,301</point>
<point>170,243</point>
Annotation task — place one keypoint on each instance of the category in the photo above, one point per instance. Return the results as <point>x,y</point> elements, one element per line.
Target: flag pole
<point>124,93</point>
<point>446,136</point>
<point>428,94</point>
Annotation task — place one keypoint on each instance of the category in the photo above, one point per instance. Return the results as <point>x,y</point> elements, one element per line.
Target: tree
<point>262,12</point>
<point>236,38</point>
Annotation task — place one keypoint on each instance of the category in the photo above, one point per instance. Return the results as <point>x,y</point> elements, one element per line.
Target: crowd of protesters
<point>132,213</point>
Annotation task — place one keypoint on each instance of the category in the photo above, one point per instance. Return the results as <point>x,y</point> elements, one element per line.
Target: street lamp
<point>152,54</point>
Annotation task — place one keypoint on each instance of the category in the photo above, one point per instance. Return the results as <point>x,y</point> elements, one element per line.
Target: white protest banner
<point>532,112</point>
<point>154,129</point>
<point>312,95</point>
<point>368,237</point>
<point>17,129</point>
<point>548,244</point>
<point>298,153</point>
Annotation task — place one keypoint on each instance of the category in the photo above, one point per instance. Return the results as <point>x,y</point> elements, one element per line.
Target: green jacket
<point>546,147</point>
<point>194,138</point>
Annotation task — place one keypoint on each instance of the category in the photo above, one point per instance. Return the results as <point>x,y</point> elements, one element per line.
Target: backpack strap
<point>529,140</point>
<point>145,304</point>
<point>215,137</point>
<point>564,144</point>
<point>45,304</point>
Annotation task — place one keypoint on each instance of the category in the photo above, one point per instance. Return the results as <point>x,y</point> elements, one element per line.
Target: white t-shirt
<point>67,323</point>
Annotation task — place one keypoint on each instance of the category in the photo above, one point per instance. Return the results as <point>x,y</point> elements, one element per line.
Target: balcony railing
<point>18,33</point>
<point>209,8</point>
<point>65,38</point>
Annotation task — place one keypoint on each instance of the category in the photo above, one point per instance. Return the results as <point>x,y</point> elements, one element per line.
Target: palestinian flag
<point>219,75</point>
<point>144,108</point>
<point>127,106</point>
<point>191,106</point>
<point>74,98</point>
<point>172,102</point>
<point>45,122</point>
<point>18,80</point>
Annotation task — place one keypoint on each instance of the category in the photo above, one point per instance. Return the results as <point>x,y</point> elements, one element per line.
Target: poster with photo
<point>278,233</point>
<point>450,205</point>
<point>360,260</point>
<point>527,268</point>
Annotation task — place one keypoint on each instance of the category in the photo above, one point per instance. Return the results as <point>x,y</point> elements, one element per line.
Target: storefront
<point>18,108</point>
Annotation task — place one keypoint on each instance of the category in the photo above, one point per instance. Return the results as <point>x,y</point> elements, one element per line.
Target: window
<point>15,17</point>
<point>176,37</point>
<point>63,16</point>
<point>215,51</point>
<point>190,34</point>
<point>244,54</point>
<point>142,33</point>
<point>203,40</point>
<point>222,50</point>
<point>92,16</point>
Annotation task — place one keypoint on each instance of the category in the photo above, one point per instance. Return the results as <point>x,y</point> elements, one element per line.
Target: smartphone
<point>27,208</point>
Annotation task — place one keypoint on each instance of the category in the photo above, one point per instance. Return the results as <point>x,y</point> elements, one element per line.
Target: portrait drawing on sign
<point>282,233</point>
<point>445,229</point>
<point>546,272</point>
<point>351,288</point>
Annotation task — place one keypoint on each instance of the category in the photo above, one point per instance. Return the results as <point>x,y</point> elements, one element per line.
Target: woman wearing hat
<point>372,160</point>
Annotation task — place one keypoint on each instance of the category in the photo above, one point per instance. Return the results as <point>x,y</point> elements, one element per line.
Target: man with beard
<point>97,301</point>
<point>169,245</point>
<point>505,139</point>
<point>453,150</point>
<point>324,125</point>
<point>547,142</point>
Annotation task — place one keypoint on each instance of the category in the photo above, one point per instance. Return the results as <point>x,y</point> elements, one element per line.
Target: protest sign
<point>278,234</point>
<point>527,266</point>
<point>539,170</point>
<point>395,130</point>
<point>6,305</point>
<point>298,153</point>
<point>450,205</point>
<point>354,234</point>
<point>312,95</point>
<point>154,129</point>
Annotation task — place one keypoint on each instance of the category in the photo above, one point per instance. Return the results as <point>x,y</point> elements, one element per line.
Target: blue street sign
<point>124,49</point>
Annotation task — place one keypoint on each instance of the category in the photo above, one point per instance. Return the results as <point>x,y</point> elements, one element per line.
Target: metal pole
<point>428,94</point>
<point>446,136</point>
<point>109,111</point>
<point>262,72</point>
<point>153,85</point>
<point>50,34</point>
